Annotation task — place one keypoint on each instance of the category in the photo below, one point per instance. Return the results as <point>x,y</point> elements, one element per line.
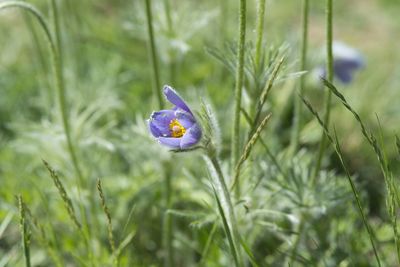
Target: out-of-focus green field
<point>109,81</point>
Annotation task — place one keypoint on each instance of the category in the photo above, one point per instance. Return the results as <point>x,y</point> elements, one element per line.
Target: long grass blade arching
<point>335,143</point>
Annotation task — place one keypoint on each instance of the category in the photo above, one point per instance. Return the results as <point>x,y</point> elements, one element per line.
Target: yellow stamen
<point>176,128</point>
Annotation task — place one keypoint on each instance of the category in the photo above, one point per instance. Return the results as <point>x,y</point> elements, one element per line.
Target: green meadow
<point>275,145</point>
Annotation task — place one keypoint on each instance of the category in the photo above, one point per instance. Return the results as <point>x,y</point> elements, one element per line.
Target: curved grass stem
<point>59,84</point>
<point>56,65</point>
<point>335,143</point>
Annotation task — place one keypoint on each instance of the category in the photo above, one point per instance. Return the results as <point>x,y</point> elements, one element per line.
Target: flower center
<point>177,130</point>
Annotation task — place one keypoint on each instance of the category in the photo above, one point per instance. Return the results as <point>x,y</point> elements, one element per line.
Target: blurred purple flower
<point>346,60</point>
<point>175,128</point>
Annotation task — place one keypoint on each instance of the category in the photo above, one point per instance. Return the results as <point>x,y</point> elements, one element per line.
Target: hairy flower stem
<point>153,55</point>
<point>224,195</point>
<point>260,31</point>
<point>235,142</point>
<point>329,67</point>
<point>297,118</point>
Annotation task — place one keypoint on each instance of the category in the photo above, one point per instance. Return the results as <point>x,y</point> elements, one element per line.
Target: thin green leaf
<point>248,148</point>
<point>109,222</point>
<point>64,195</point>
<point>5,223</point>
<point>267,89</point>
<point>207,247</point>
<point>249,253</point>
<point>25,233</point>
<point>335,143</point>
<point>227,230</point>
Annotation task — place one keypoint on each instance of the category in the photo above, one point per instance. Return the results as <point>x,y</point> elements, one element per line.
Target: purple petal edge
<point>191,137</point>
<point>173,97</point>
<point>159,122</point>
<point>187,120</point>
<point>170,142</point>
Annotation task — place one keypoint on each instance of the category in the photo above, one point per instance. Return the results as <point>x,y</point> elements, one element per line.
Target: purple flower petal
<point>175,99</point>
<point>344,69</point>
<point>191,137</point>
<point>341,51</point>
<point>165,115</point>
<point>344,76</point>
<point>184,118</point>
<point>154,130</point>
<point>159,122</point>
<point>346,61</point>
<point>170,142</point>
<point>350,64</point>
<point>175,128</point>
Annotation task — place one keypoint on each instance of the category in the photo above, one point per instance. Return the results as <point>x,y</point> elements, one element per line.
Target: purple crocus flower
<point>346,60</point>
<point>176,128</point>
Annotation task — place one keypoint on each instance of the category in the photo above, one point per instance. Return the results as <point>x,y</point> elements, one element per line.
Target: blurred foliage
<point>108,81</point>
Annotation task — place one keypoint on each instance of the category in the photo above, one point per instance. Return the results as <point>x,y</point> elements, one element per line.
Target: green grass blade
<point>297,118</point>
<point>25,233</point>
<point>260,31</point>
<point>58,77</point>
<point>125,242</point>
<point>247,150</point>
<point>335,143</point>
<point>249,253</point>
<point>153,54</point>
<point>4,224</point>
<point>239,81</point>
<point>266,148</point>
<point>109,222</point>
<point>227,229</point>
<point>265,92</point>
<point>43,237</point>
<point>64,196</point>
<point>372,140</point>
<point>207,246</point>
<point>329,75</point>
